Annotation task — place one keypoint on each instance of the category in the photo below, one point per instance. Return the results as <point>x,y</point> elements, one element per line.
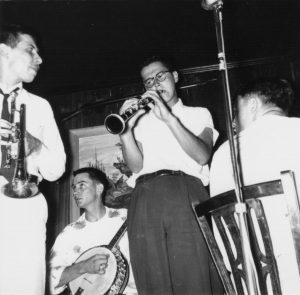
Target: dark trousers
<point>168,253</point>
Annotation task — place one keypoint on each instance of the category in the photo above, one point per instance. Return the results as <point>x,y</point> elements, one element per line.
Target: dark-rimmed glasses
<point>160,77</point>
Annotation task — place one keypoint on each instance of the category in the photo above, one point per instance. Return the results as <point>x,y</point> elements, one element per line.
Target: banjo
<point>116,275</point>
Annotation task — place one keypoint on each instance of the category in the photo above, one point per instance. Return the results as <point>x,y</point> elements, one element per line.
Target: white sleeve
<point>50,160</point>
<point>204,116</point>
<point>59,260</point>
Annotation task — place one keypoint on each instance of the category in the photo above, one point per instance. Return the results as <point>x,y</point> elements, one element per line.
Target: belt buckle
<point>162,172</point>
<point>168,172</point>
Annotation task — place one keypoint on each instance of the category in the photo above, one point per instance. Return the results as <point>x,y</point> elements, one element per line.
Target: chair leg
<point>215,254</point>
<point>292,201</point>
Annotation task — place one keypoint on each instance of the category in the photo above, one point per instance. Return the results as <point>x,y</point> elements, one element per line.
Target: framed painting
<point>96,147</point>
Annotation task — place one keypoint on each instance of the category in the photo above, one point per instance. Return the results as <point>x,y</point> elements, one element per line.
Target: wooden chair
<point>221,209</point>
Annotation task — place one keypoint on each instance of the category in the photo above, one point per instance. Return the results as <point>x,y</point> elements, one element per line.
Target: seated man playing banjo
<point>91,255</point>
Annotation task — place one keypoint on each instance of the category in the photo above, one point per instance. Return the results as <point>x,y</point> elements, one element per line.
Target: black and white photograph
<point>150,147</point>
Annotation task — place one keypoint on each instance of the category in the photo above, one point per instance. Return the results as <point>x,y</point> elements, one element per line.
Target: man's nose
<point>234,122</point>
<point>38,60</point>
<point>234,125</point>
<point>156,82</point>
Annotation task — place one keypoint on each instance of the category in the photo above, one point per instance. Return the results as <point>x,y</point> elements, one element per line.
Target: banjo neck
<point>79,291</point>
<point>115,240</point>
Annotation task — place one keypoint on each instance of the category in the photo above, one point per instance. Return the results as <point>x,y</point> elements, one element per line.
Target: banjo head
<point>116,274</point>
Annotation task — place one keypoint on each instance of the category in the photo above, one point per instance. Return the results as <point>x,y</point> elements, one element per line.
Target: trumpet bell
<point>20,189</point>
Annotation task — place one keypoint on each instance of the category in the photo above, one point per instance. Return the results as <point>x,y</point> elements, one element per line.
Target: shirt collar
<point>177,106</point>
<point>259,121</point>
<point>102,218</point>
<point>9,89</point>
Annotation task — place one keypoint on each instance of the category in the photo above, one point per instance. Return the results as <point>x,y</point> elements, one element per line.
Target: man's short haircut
<point>10,34</point>
<point>96,175</point>
<point>166,61</point>
<point>278,92</point>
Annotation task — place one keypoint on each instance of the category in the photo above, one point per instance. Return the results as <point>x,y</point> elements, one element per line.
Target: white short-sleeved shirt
<point>82,235</point>
<point>270,145</point>
<point>161,150</point>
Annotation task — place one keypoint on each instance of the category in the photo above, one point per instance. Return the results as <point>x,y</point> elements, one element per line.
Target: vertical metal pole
<point>241,206</point>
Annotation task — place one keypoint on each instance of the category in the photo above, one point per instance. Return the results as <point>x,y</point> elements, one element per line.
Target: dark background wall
<point>90,44</point>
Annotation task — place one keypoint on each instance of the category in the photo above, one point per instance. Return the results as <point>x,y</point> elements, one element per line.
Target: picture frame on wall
<point>96,147</point>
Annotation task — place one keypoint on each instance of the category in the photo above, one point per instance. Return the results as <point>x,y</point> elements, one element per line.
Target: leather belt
<point>162,172</point>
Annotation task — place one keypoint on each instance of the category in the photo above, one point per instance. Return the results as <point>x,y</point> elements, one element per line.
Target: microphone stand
<point>240,208</point>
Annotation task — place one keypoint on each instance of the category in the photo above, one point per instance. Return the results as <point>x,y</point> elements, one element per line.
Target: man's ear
<point>99,188</point>
<point>253,103</point>
<point>175,76</point>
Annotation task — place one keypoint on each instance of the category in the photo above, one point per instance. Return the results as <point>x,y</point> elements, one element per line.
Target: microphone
<point>211,4</point>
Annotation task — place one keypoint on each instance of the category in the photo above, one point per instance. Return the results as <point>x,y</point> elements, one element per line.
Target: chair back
<point>221,210</point>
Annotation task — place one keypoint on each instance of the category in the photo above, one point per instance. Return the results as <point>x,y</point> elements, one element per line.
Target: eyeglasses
<point>160,77</point>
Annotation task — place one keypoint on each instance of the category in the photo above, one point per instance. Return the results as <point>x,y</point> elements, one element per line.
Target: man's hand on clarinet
<point>131,103</point>
<point>159,107</point>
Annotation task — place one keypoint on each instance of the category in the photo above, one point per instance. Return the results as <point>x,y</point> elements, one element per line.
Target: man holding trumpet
<point>23,217</point>
<point>168,149</point>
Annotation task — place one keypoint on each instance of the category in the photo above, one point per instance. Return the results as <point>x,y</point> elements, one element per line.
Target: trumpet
<point>13,137</point>
<point>20,187</point>
<point>116,123</point>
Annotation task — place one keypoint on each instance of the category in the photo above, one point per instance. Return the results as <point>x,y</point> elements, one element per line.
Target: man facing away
<point>268,142</point>
<point>168,148</point>
<point>23,221</point>
<point>95,227</point>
